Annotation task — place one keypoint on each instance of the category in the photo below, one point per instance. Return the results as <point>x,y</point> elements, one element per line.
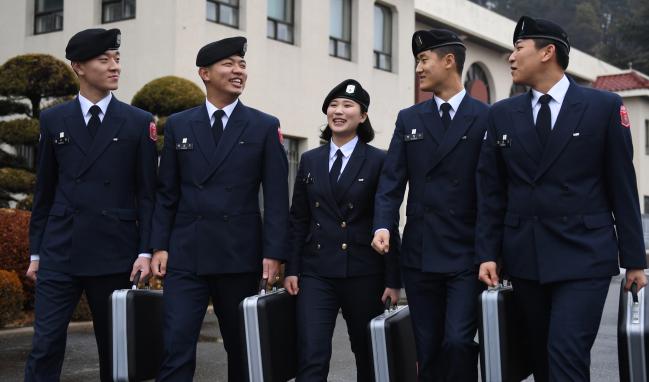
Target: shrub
<point>82,311</point>
<point>167,95</point>
<point>8,107</point>
<point>11,297</point>
<point>16,180</point>
<point>14,248</point>
<point>36,77</point>
<point>8,160</point>
<point>26,204</point>
<point>24,131</point>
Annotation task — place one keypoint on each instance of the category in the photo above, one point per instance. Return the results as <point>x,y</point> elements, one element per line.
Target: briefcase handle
<point>388,305</point>
<point>136,279</point>
<point>634,292</point>
<point>263,284</point>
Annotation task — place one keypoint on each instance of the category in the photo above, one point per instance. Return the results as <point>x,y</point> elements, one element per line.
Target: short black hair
<point>364,131</point>
<point>458,51</point>
<point>561,51</point>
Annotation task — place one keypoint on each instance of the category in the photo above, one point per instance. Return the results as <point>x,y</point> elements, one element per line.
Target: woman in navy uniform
<point>332,263</point>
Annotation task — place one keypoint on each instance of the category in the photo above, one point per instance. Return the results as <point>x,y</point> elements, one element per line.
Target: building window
<point>340,40</point>
<point>646,139</point>
<point>224,12</point>
<point>477,83</point>
<point>48,16</point>
<point>280,20</point>
<point>116,10</point>
<point>382,37</point>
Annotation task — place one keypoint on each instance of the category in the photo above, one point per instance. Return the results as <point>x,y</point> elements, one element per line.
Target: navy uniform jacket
<point>94,198</point>
<point>440,171</point>
<point>551,213</point>
<point>332,237</point>
<point>207,209</point>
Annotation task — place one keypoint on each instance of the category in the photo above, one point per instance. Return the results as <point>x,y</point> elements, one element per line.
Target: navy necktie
<point>446,115</point>
<point>334,174</point>
<point>544,120</point>
<point>94,122</point>
<point>217,127</point>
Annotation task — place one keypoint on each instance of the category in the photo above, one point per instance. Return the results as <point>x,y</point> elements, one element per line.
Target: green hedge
<point>167,95</point>
<point>11,297</point>
<point>16,180</point>
<point>37,75</point>
<point>22,131</point>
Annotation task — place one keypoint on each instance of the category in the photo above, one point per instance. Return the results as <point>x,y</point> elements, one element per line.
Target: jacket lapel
<point>322,177</point>
<point>429,115</point>
<point>525,129</point>
<point>107,131</point>
<point>461,122</point>
<point>76,126</point>
<point>202,130</point>
<point>568,119</point>
<point>352,168</point>
<point>237,124</point>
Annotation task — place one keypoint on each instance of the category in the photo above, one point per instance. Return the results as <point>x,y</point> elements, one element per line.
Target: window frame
<point>646,138</point>
<point>347,6</point>
<point>218,4</point>
<point>382,53</point>
<point>123,2</point>
<point>38,15</point>
<point>275,22</point>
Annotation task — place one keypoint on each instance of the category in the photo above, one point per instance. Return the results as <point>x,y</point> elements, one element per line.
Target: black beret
<point>90,43</point>
<point>350,89</point>
<point>218,50</point>
<point>434,38</point>
<point>528,27</point>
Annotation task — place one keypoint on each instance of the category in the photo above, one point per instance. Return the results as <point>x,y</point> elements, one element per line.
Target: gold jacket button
<point>317,246</point>
<point>343,224</point>
<point>344,246</point>
<point>317,204</point>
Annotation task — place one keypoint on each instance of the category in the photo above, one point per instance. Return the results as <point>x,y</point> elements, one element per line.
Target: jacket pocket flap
<point>127,215</point>
<point>511,220</point>
<point>598,220</point>
<point>57,210</point>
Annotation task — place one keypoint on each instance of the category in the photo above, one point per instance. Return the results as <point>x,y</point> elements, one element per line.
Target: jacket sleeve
<point>300,220</point>
<point>622,190</point>
<point>392,183</point>
<point>46,181</point>
<point>492,200</point>
<point>167,192</point>
<point>146,183</point>
<point>275,189</point>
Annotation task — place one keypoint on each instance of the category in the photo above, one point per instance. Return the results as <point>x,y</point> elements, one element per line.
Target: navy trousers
<point>186,297</point>
<point>57,295</point>
<point>562,320</point>
<point>318,303</point>
<point>443,309</point>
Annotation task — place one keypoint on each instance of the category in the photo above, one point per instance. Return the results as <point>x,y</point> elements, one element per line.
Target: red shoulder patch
<point>624,117</point>
<point>153,131</point>
<point>279,133</point>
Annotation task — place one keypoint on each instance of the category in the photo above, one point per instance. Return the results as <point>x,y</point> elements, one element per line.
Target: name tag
<point>504,141</point>
<point>307,179</point>
<point>184,146</point>
<point>61,141</point>
<point>413,137</point>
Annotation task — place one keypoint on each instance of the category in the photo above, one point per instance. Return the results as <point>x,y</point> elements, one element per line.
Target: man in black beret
<point>558,202</point>
<point>209,237</point>
<point>93,203</point>
<point>435,149</point>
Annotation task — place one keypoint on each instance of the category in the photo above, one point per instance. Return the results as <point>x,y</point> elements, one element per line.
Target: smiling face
<point>100,73</point>
<point>227,76</point>
<point>431,70</point>
<point>526,61</point>
<point>344,116</point>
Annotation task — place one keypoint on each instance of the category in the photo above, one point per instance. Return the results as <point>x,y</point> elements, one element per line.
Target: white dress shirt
<point>454,101</point>
<point>558,93</point>
<point>346,149</point>
<point>228,112</point>
<point>86,104</point>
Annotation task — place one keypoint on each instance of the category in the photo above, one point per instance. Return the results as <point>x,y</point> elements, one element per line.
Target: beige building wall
<point>289,81</point>
<point>637,104</point>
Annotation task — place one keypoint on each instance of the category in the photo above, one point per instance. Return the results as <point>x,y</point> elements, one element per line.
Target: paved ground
<point>81,359</point>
